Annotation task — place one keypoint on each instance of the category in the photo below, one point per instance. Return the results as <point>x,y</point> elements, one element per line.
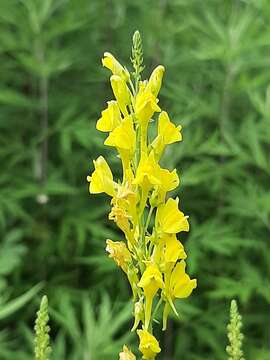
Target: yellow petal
<point>174,250</point>
<point>149,345</point>
<point>181,285</point>
<point>145,105</point>
<point>126,354</point>
<point>116,68</point>
<point>170,219</point>
<point>102,178</point>
<point>169,180</point>
<point>121,93</point>
<point>151,279</point>
<point>119,252</point>
<point>110,117</point>
<point>123,136</point>
<point>148,170</point>
<point>168,130</point>
<point>155,80</point>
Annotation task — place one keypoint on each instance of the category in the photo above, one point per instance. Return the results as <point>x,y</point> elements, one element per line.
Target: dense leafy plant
<point>217,86</point>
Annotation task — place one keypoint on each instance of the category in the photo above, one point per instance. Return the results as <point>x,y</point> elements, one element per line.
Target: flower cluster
<point>151,255</point>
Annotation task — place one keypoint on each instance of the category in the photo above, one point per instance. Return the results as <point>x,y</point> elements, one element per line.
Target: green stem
<point>148,219</point>
<point>133,89</point>
<point>157,307</point>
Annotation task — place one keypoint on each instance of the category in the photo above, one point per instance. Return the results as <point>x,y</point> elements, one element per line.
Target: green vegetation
<point>216,55</point>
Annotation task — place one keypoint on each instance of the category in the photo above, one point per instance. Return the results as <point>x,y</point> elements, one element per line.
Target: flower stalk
<point>42,329</point>
<point>234,349</point>
<point>151,255</point>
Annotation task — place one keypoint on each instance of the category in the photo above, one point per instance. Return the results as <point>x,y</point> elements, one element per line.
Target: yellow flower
<point>178,285</point>
<point>110,117</point>
<point>123,136</point>
<point>149,345</point>
<point>167,251</point>
<point>145,106</point>
<point>121,93</point>
<point>168,133</point>
<point>151,281</point>
<point>148,172</point>
<point>169,219</point>
<point>119,215</point>
<point>169,180</point>
<point>127,199</point>
<point>181,285</point>
<point>168,130</point>
<point>119,253</point>
<point>116,68</point>
<point>174,250</point>
<point>155,81</point>
<point>102,178</point>
<point>126,354</point>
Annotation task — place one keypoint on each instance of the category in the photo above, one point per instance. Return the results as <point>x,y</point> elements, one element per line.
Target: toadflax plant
<point>151,256</point>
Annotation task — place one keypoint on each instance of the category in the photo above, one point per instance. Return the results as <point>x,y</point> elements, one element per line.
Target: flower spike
<point>149,251</point>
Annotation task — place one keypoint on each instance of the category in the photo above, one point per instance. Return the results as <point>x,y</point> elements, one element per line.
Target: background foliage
<point>217,59</point>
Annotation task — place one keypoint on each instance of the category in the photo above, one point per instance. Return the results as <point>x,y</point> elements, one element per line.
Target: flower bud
<point>155,80</point>
<point>121,93</point>
<point>126,354</point>
<point>110,62</point>
<point>138,314</point>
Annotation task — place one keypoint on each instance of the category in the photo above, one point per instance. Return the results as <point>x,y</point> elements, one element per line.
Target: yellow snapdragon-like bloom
<point>151,281</point>
<point>119,215</point>
<point>121,93</point>
<point>126,354</point>
<point>168,133</point>
<point>110,62</point>
<point>146,104</point>
<point>181,285</point>
<point>169,181</point>
<point>167,252</point>
<point>123,136</point>
<point>155,81</point>
<point>170,219</point>
<point>102,178</point>
<point>110,117</point>
<point>174,250</point>
<point>150,254</point>
<point>149,345</point>
<point>148,172</point>
<point>127,199</point>
<point>178,285</point>
<point>119,252</point>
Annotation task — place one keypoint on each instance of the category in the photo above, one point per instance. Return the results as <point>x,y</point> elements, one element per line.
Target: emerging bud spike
<point>42,338</point>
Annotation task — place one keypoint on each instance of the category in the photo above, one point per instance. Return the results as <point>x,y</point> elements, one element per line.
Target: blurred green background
<point>52,90</point>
